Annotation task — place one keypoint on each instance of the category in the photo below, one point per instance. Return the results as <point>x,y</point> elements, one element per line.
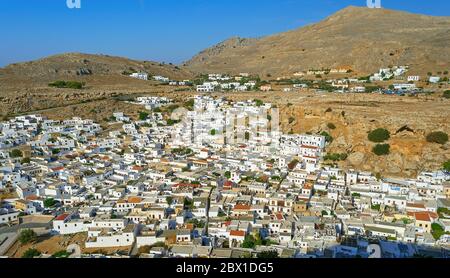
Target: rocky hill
<point>77,64</point>
<point>24,86</point>
<point>362,38</point>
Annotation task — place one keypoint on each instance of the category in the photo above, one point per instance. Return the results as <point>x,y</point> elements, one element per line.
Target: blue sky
<point>160,30</point>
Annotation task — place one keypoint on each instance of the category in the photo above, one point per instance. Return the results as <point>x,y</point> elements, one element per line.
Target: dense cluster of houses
<point>216,82</point>
<point>198,188</point>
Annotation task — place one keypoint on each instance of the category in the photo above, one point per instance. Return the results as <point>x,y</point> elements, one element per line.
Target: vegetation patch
<point>67,84</point>
<point>379,135</point>
<point>437,137</point>
<point>381,149</point>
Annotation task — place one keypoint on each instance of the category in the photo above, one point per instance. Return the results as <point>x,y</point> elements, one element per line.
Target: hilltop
<point>364,39</point>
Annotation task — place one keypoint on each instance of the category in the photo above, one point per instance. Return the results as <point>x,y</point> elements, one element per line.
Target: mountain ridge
<point>348,37</point>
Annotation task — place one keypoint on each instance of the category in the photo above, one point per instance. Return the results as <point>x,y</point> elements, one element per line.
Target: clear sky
<point>160,30</point>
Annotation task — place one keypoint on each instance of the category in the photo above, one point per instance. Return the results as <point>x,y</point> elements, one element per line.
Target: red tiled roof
<point>32,198</point>
<point>62,217</point>
<point>242,207</point>
<point>422,216</point>
<point>58,169</point>
<point>237,233</point>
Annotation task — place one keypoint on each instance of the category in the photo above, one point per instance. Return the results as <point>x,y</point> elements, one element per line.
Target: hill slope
<point>78,64</point>
<point>365,39</point>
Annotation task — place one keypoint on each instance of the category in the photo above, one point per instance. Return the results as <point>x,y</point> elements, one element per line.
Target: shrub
<point>438,137</point>
<point>50,202</point>
<point>247,135</point>
<point>61,254</point>
<point>331,126</point>
<point>447,166</point>
<point>31,253</point>
<point>376,207</point>
<point>259,102</point>
<point>27,236</point>
<point>381,149</point>
<point>336,156</point>
<point>67,84</point>
<point>379,135</point>
<point>16,153</point>
<point>437,231</point>
<point>143,116</point>
<point>446,94</point>
<point>291,120</point>
<point>327,136</point>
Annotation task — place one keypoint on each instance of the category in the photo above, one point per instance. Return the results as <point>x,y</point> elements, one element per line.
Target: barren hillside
<point>362,38</point>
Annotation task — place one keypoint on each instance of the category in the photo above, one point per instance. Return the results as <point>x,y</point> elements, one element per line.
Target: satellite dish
<point>374,251</point>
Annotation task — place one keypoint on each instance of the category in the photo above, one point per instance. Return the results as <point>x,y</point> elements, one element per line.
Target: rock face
<point>361,38</point>
<point>356,159</point>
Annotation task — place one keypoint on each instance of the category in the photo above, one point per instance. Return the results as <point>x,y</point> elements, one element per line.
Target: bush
<point>50,202</point>
<point>447,166</point>
<point>31,253</point>
<point>26,160</point>
<point>61,254</point>
<point>336,156</point>
<point>376,207</point>
<point>67,84</point>
<point>16,153</point>
<point>437,231</point>
<point>381,149</point>
<point>143,116</point>
<point>327,136</point>
<point>259,102</point>
<point>331,126</point>
<point>446,94</point>
<point>379,135</point>
<point>27,236</point>
<point>438,137</point>
<point>291,120</point>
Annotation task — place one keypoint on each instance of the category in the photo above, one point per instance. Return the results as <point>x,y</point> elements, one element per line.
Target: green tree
<point>49,202</point>
<point>247,135</point>
<point>376,207</point>
<point>31,253</point>
<point>447,165</point>
<point>381,149</point>
<point>327,136</point>
<point>259,102</point>
<point>379,135</point>
<point>213,132</point>
<point>437,231</point>
<point>438,137</point>
<point>61,254</point>
<point>26,160</point>
<point>143,116</point>
<point>169,200</point>
<point>27,236</point>
<point>16,153</point>
<point>227,174</point>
